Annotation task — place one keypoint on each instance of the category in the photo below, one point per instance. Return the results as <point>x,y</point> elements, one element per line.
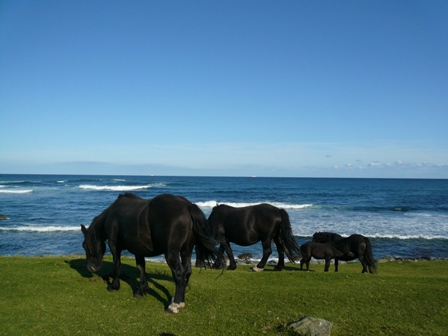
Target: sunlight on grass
<point>58,296</point>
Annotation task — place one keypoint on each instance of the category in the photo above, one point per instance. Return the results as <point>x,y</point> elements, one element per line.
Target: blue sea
<point>403,218</point>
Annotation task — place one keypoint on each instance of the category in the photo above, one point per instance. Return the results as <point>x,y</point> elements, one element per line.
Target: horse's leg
<point>232,262</point>
<point>267,250</point>
<point>363,263</point>
<point>308,264</point>
<point>360,250</point>
<point>186,264</point>
<point>281,255</point>
<point>116,254</point>
<point>141,292</point>
<point>336,262</point>
<point>327,263</point>
<point>173,261</point>
<point>218,263</point>
<point>305,259</point>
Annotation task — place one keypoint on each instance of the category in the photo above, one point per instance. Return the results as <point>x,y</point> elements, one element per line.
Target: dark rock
<point>311,326</point>
<point>3,217</point>
<point>245,256</point>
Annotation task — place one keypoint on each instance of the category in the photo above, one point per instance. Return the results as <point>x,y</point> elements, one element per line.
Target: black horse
<point>359,245</point>
<point>325,251</point>
<point>167,224</point>
<point>248,225</point>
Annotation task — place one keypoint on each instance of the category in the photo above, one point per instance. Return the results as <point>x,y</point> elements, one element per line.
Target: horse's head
<point>318,237</point>
<point>95,249</point>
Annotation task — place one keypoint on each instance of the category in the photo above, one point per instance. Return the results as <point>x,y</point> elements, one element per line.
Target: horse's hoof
<point>217,266</point>
<point>231,268</point>
<point>110,289</point>
<point>173,308</point>
<point>256,269</point>
<point>139,295</point>
<point>278,269</point>
<point>182,305</point>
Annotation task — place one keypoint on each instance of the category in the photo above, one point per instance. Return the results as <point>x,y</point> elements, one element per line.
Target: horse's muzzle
<point>93,268</point>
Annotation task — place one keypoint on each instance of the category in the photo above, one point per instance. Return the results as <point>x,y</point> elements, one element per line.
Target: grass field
<point>57,296</point>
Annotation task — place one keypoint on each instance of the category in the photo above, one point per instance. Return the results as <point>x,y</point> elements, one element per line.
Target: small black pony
<point>325,251</point>
<point>167,224</point>
<point>359,245</point>
<point>248,225</point>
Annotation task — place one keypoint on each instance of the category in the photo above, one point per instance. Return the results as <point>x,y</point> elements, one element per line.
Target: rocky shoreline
<point>246,259</point>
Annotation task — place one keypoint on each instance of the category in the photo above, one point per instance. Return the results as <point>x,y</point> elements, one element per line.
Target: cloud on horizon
<point>281,159</point>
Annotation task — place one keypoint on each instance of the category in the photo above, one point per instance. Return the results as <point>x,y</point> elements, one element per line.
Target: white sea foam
<point>406,237</point>
<point>301,233</point>
<point>207,204</point>
<point>41,228</point>
<point>117,188</point>
<point>15,191</point>
<point>211,204</point>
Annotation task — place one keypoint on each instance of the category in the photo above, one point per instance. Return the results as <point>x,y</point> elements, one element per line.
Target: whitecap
<point>207,204</point>
<point>41,228</point>
<point>211,204</point>
<point>114,188</point>
<point>15,191</point>
<point>407,237</point>
<point>291,206</point>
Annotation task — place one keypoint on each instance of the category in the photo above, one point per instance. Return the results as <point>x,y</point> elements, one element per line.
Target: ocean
<point>403,218</point>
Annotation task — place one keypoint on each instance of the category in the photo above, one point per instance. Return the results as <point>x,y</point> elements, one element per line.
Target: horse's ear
<point>83,229</point>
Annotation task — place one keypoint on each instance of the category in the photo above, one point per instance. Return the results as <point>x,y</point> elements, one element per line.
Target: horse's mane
<point>219,205</point>
<point>327,235</point>
<point>128,195</point>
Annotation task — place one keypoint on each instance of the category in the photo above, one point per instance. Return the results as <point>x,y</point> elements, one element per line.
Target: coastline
<point>240,260</point>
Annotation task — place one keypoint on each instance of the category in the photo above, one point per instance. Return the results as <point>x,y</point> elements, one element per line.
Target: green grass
<point>57,296</point>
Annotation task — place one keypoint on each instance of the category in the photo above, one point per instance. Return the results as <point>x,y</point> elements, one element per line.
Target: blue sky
<point>227,88</point>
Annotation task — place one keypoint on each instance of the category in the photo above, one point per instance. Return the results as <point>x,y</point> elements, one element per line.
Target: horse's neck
<point>98,225</point>
<point>335,237</point>
<point>340,246</point>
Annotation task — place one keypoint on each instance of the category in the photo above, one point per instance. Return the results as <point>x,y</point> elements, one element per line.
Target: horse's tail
<point>368,256</point>
<point>205,242</point>
<point>292,250</point>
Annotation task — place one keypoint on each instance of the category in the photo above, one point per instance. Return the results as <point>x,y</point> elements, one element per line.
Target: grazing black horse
<point>325,251</point>
<point>359,245</point>
<point>167,224</point>
<point>248,225</point>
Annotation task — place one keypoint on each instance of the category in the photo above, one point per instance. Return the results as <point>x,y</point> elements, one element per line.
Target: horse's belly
<point>244,239</point>
<point>142,250</point>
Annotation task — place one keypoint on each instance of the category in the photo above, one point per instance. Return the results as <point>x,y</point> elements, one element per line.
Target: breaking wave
<point>211,204</point>
<point>119,187</point>
<point>15,191</point>
<point>53,228</point>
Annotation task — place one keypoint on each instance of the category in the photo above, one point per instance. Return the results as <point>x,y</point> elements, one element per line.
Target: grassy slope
<point>57,296</point>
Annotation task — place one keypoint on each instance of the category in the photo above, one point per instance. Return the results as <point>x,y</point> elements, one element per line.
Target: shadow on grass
<point>129,275</point>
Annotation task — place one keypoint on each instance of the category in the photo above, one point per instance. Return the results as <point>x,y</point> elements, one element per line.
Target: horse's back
<point>229,214</point>
<point>127,224</point>
<point>167,214</point>
<point>168,207</point>
<point>325,237</point>
<point>233,224</point>
<point>245,225</point>
<point>125,211</point>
